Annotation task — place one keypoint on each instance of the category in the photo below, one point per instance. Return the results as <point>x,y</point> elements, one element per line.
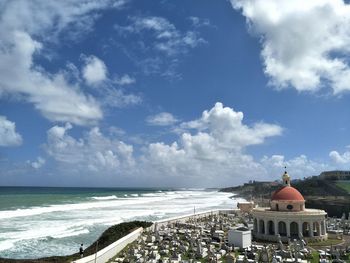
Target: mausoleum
<point>288,217</point>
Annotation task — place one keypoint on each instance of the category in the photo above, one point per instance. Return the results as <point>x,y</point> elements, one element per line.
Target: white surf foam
<point>110,197</point>
<point>70,221</point>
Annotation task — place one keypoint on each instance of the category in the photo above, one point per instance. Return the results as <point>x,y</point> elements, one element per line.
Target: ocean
<point>44,221</point>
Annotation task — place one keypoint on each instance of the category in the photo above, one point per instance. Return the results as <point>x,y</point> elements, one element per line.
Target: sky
<point>199,93</point>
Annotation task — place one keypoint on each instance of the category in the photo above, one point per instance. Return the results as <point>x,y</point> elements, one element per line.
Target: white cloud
<point>214,154</point>
<point>161,119</point>
<point>38,163</point>
<point>226,125</point>
<point>125,80</point>
<point>94,152</point>
<point>8,134</point>
<point>54,95</point>
<point>167,38</point>
<point>198,22</point>
<point>113,97</point>
<point>340,159</point>
<point>211,151</point>
<point>94,71</point>
<point>48,19</point>
<point>305,44</point>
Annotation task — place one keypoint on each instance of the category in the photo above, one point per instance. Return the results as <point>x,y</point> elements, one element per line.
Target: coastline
<point>175,204</point>
<point>102,251</point>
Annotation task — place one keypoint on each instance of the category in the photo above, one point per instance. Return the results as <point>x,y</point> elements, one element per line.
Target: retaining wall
<point>110,251</point>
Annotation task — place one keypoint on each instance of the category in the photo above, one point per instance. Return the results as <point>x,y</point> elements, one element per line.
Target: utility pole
<point>96,250</point>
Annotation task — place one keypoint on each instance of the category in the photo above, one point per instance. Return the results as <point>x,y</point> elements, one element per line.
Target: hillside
<point>307,187</point>
<point>330,195</point>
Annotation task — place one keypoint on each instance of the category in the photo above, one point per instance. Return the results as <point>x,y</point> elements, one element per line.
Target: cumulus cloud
<point>305,44</point>
<point>213,150</point>
<point>52,94</point>
<point>38,163</point>
<point>226,125</point>
<point>95,74</point>
<point>340,159</point>
<point>8,134</point>
<point>94,71</point>
<point>162,119</point>
<point>94,152</point>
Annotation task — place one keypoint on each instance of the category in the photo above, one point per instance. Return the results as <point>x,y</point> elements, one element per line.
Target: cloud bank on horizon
<point>105,85</point>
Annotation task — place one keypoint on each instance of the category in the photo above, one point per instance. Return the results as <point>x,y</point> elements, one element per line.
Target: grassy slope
<point>307,187</point>
<point>344,185</point>
<point>108,237</point>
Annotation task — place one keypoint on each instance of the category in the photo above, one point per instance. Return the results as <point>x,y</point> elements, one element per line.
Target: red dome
<point>287,193</point>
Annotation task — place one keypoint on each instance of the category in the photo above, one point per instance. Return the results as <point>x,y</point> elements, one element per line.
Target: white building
<point>288,217</point>
<point>240,237</point>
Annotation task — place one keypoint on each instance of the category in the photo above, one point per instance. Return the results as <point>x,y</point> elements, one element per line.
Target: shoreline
<point>181,218</point>
<point>230,203</point>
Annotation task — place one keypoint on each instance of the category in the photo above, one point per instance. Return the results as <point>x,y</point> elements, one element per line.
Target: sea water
<point>41,221</point>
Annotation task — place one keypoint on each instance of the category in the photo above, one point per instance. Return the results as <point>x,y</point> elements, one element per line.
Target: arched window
<point>262,226</point>
<point>294,229</point>
<point>282,228</point>
<point>271,227</point>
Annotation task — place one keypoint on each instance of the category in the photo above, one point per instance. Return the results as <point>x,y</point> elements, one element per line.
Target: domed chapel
<point>288,217</point>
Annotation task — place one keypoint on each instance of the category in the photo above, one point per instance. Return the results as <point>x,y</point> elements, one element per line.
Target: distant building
<point>335,175</point>
<point>245,207</point>
<point>240,237</point>
<point>287,217</point>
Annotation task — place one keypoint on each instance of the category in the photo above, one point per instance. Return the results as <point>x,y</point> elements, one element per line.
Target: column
<point>300,229</point>
<point>258,225</point>
<point>276,227</point>
<point>288,228</point>
<point>325,227</point>
<point>311,229</point>
<point>266,227</point>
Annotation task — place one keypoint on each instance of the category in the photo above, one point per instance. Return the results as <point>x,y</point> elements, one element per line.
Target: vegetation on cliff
<point>312,186</point>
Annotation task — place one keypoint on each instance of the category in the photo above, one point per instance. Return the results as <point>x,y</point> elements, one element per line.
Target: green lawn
<point>328,242</point>
<point>344,185</point>
<point>315,257</point>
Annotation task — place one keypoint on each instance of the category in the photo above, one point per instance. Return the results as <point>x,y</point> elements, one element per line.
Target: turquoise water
<point>41,221</point>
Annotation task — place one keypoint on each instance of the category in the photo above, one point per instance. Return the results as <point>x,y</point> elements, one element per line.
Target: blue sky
<point>172,93</point>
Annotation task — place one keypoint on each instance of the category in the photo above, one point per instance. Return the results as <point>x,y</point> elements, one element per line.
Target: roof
<point>287,193</point>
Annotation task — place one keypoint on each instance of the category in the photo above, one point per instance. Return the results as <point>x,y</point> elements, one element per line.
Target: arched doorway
<point>294,229</point>
<point>255,225</point>
<point>271,227</point>
<point>282,228</point>
<point>262,226</point>
<point>316,228</point>
<point>306,229</point>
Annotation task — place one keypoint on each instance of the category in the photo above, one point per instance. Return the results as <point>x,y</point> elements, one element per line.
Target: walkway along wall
<point>113,249</point>
<point>110,251</point>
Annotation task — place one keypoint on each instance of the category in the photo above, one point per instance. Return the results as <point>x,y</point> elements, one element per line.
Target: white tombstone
<point>240,237</point>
